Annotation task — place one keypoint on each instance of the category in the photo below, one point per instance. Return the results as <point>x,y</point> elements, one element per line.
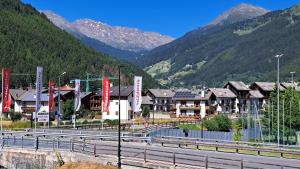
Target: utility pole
<point>278,92</point>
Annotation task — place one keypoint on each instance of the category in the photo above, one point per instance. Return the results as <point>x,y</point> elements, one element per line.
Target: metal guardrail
<point>237,146</point>
<point>148,154</point>
<point>65,133</point>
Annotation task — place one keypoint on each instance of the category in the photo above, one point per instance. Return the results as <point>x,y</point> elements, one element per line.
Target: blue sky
<point>170,17</point>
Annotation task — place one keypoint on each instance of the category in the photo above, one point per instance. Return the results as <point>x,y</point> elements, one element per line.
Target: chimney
<point>202,93</point>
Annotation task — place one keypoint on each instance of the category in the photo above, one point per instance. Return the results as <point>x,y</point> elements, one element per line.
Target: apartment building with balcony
<point>191,103</point>
<point>161,98</point>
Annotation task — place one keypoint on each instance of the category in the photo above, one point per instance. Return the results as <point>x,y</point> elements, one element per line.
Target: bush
<point>85,122</point>
<point>111,122</point>
<point>218,123</point>
<point>96,122</point>
<point>15,116</point>
<point>146,112</point>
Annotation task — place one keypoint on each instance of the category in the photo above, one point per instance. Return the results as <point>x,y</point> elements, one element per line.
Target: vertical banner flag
<point>105,94</point>
<point>77,95</point>
<point>6,100</point>
<point>51,97</point>
<point>39,87</point>
<point>137,94</point>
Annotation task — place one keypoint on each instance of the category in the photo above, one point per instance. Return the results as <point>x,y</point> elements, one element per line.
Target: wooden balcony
<point>184,107</point>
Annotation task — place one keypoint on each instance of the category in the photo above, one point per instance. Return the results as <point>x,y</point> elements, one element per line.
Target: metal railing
<point>150,154</point>
<point>236,145</point>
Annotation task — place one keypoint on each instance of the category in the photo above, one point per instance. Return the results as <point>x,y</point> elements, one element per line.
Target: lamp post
<point>119,126</point>
<point>59,106</point>
<point>278,88</point>
<point>292,80</point>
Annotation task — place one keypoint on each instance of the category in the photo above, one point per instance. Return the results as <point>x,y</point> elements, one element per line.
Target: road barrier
<point>149,154</point>
<point>236,145</point>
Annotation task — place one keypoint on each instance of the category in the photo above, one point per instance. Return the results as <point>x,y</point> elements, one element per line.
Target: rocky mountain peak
<point>120,37</point>
<point>238,13</point>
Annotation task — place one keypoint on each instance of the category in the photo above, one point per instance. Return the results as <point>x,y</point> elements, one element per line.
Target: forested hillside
<point>29,39</point>
<point>240,51</point>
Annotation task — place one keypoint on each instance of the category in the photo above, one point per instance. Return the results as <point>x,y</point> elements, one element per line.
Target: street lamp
<point>292,80</point>
<point>292,77</point>
<point>59,107</point>
<point>119,127</point>
<point>278,88</point>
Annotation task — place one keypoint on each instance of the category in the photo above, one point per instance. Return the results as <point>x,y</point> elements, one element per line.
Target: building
<point>126,98</point>
<point>147,102</point>
<point>265,88</point>
<point>191,104</point>
<point>224,100</point>
<point>162,99</point>
<point>241,90</point>
<point>256,100</point>
<point>86,99</point>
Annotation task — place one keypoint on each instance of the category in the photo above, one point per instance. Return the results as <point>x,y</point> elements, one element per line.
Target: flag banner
<point>51,97</point>
<point>105,94</point>
<point>77,95</point>
<point>39,87</point>
<point>137,94</point>
<point>6,99</point>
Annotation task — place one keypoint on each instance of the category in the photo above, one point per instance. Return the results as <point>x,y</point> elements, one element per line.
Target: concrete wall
<point>19,158</point>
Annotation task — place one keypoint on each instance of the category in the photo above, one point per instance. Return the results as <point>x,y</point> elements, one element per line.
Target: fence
<point>147,154</point>
<point>248,134</point>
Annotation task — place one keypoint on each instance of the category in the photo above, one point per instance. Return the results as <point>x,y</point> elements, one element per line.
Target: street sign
<point>73,119</point>
<point>43,116</point>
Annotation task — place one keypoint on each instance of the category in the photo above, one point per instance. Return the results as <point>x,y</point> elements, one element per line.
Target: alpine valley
<point>238,45</point>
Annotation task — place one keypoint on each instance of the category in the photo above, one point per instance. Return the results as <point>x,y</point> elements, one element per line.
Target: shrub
<point>146,112</point>
<point>218,123</point>
<point>15,116</point>
<point>237,136</point>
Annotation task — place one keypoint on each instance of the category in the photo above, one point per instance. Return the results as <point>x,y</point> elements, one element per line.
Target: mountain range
<point>121,42</point>
<point>28,39</point>
<point>238,45</point>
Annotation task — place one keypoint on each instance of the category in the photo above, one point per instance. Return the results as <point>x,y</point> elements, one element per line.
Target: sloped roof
<point>31,97</point>
<point>66,88</point>
<point>239,85</point>
<point>256,94</point>
<point>268,86</point>
<point>146,100</point>
<point>125,91</point>
<point>16,93</point>
<point>222,93</point>
<point>190,95</point>
<point>84,94</point>
<point>162,92</point>
<point>287,85</point>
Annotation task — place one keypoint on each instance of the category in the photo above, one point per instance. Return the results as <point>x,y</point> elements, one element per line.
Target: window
<point>108,113</point>
<point>117,113</point>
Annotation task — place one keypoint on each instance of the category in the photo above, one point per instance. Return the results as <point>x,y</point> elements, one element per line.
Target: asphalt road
<point>188,157</point>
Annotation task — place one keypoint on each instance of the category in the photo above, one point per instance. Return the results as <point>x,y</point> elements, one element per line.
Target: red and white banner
<point>51,97</point>
<point>39,88</point>
<point>105,94</point>
<point>137,94</point>
<point>6,99</point>
<point>77,95</point>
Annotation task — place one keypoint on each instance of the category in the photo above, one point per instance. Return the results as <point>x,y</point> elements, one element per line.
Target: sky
<point>168,17</point>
